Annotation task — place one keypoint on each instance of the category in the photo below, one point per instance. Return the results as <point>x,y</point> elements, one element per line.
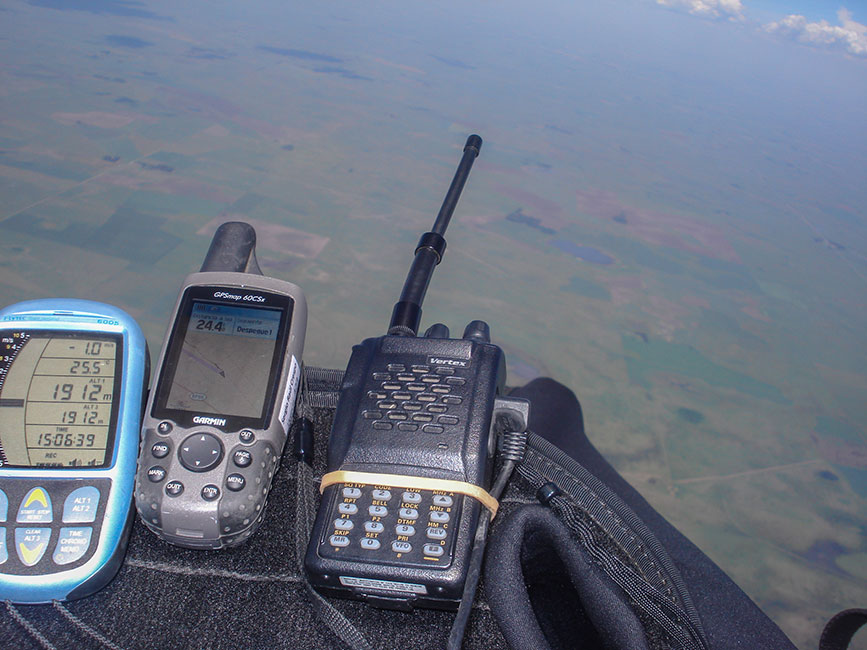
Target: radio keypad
<point>365,528</point>
<point>40,533</point>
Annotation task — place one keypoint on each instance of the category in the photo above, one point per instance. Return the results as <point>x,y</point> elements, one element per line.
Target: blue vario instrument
<point>72,381</point>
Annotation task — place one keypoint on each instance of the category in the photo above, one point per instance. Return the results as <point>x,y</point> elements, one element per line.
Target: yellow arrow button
<point>37,495</point>
<point>30,556</point>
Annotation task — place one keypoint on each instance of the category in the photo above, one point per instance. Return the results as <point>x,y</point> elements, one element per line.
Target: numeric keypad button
<point>370,544</point>
<point>404,529</point>
<point>343,524</point>
<point>411,497</point>
<point>338,541</point>
<point>433,550</point>
<point>373,526</point>
<point>347,508</point>
<point>401,547</point>
<point>409,513</point>
<point>437,533</point>
<point>377,511</point>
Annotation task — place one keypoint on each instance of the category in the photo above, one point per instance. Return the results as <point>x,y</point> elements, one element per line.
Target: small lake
<point>586,253</point>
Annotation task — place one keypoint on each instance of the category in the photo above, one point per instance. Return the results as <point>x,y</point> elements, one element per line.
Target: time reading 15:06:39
<point>66,440</point>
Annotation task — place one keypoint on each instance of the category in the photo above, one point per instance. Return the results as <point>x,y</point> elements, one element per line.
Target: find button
<point>200,452</point>
<point>160,450</point>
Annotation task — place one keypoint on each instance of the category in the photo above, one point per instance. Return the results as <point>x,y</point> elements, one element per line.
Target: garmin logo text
<point>436,361</point>
<point>214,422</point>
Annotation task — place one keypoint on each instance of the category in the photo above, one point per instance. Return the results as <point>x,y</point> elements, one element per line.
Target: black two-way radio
<point>411,452</point>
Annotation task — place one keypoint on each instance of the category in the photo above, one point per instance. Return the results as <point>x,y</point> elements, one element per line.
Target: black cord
<point>514,444</point>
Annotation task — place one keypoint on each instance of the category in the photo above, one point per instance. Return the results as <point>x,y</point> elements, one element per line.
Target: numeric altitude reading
<point>56,399</point>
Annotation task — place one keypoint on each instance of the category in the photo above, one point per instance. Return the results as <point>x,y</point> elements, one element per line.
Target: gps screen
<point>57,399</point>
<point>225,360</point>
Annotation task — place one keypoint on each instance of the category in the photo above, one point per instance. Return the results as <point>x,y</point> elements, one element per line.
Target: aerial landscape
<point>668,216</point>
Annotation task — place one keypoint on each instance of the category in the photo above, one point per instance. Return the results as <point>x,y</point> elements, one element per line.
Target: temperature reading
<point>86,367</point>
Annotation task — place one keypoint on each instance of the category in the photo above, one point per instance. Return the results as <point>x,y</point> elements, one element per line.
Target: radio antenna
<point>406,316</point>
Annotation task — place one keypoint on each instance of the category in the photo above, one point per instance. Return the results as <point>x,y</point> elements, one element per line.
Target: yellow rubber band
<point>412,482</point>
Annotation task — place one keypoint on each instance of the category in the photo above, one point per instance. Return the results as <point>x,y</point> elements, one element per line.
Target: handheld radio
<point>220,409</point>
<point>72,380</point>
<point>411,451</point>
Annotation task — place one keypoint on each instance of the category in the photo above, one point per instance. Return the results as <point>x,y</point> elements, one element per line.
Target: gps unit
<point>219,412</point>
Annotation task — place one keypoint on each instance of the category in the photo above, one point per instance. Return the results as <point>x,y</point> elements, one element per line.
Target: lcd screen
<point>225,361</point>
<point>58,395</point>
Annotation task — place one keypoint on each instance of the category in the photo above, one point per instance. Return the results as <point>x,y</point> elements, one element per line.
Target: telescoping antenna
<point>406,316</point>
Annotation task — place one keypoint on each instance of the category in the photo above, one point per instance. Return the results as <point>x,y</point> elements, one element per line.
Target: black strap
<point>841,628</point>
<point>337,622</point>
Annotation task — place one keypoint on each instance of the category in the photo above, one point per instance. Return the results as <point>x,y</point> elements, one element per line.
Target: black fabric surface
<point>545,593</point>
<point>254,596</point>
<point>730,618</point>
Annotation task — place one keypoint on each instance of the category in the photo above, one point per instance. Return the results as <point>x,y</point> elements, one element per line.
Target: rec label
<point>383,585</point>
<point>287,408</point>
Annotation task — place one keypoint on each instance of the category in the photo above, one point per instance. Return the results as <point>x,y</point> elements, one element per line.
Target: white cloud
<point>849,35</point>
<point>731,9</point>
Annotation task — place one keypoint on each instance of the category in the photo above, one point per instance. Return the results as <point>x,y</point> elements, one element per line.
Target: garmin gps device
<point>219,412</point>
<point>411,453</point>
<point>72,381</point>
